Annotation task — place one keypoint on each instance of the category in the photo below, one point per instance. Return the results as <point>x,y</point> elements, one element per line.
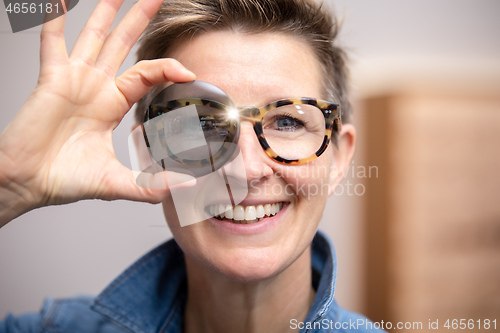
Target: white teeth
<point>244,214</point>
<point>267,209</point>
<point>229,212</point>
<point>222,209</point>
<point>260,211</point>
<point>250,213</point>
<point>239,213</point>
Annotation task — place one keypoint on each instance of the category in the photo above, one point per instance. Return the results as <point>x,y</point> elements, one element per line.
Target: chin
<point>250,268</point>
<point>234,263</point>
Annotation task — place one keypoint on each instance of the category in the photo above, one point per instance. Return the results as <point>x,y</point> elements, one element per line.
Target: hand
<point>58,149</point>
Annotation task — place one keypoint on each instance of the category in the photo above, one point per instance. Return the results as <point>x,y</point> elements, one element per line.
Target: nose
<point>257,165</point>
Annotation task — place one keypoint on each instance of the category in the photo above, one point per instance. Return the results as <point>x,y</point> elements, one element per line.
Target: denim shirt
<point>150,296</point>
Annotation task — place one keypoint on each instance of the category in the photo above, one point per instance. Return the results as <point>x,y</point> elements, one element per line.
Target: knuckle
<point>99,33</point>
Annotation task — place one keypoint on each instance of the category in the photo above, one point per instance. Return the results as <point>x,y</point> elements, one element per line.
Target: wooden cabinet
<point>432,216</point>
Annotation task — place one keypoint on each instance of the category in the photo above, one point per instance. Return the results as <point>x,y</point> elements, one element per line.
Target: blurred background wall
<point>426,81</point>
<point>415,221</point>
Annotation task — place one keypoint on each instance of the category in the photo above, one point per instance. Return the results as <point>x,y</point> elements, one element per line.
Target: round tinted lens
<point>294,131</point>
<point>197,132</point>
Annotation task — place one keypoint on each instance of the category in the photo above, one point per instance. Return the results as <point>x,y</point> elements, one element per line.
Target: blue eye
<point>285,122</point>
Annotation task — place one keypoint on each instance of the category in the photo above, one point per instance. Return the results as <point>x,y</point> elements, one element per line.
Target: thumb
<point>155,178</point>
<point>144,75</point>
<point>146,186</point>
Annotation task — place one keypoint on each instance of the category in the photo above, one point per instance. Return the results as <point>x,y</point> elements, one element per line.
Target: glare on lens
<point>299,109</point>
<point>233,113</point>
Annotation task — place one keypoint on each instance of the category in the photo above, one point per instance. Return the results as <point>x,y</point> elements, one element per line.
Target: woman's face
<point>254,70</point>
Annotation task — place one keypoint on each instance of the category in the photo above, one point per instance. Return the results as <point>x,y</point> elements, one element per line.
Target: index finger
<point>119,43</point>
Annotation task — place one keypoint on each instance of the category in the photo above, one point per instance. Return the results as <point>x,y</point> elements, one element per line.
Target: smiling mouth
<point>244,214</point>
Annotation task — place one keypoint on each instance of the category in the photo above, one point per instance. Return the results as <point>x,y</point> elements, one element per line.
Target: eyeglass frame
<point>331,111</point>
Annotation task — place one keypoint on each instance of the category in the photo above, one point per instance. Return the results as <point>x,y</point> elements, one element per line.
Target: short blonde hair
<point>178,20</point>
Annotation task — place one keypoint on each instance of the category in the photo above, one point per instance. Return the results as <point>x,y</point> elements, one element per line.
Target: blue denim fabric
<point>150,297</point>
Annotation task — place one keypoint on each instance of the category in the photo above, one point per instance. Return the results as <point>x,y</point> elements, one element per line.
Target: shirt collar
<point>150,296</point>
<point>324,267</point>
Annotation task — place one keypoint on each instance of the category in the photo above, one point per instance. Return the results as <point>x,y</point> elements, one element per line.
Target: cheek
<point>308,182</point>
<point>170,213</point>
<point>181,234</point>
<point>187,237</point>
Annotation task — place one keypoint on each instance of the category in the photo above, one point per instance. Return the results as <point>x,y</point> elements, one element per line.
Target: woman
<point>272,275</point>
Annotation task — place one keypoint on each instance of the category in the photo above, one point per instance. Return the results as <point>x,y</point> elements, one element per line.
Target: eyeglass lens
<point>199,132</point>
<point>294,131</point>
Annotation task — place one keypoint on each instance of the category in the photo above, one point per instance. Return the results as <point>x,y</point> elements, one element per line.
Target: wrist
<point>14,197</point>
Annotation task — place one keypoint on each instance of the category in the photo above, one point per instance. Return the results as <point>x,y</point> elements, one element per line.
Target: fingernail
<point>187,72</point>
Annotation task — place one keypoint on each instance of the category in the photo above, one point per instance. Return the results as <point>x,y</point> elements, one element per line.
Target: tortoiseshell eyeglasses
<point>196,124</point>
